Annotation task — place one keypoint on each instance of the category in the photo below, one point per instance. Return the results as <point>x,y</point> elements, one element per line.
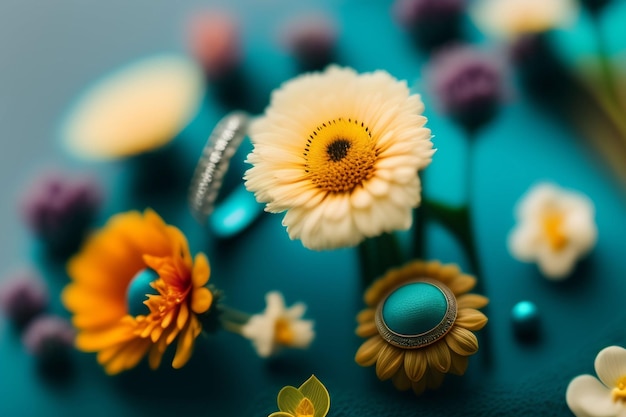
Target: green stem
<point>377,255</point>
<point>419,227</point>
<point>368,262</point>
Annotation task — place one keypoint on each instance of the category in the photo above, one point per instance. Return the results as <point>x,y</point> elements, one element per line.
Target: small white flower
<point>510,18</point>
<point>278,326</point>
<point>589,397</point>
<point>555,228</point>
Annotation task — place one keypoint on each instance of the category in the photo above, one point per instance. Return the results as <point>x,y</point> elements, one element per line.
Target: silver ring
<point>213,164</point>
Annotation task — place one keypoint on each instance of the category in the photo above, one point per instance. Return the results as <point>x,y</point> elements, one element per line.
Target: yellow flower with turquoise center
<point>135,290</point>
<point>419,325</point>
<point>311,399</point>
<point>340,152</point>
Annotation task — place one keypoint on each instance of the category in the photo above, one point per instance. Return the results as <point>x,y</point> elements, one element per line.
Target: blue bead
<point>137,292</point>
<point>414,308</point>
<point>525,318</point>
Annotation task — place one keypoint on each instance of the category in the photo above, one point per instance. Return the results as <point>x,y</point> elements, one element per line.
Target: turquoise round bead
<point>525,318</point>
<point>137,292</point>
<point>414,308</point>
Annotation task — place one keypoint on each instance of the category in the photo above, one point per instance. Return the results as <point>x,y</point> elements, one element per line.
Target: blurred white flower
<point>589,397</point>
<point>555,228</point>
<point>278,326</point>
<point>511,18</point>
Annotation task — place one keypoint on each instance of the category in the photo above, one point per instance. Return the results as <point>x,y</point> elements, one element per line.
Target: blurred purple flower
<point>431,22</point>
<point>58,208</point>
<point>467,83</point>
<point>311,40</point>
<point>214,41</point>
<point>48,335</point>
<point>23,296</point>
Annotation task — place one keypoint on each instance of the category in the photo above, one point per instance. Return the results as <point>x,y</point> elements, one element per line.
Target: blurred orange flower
<point>135,248</point>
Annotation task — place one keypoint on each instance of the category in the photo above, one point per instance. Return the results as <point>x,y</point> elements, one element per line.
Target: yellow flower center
<point>283,334</point>
<point>553,227</point>
<point>619,392</point>
<point>305,408</point>
<point>340,155</point>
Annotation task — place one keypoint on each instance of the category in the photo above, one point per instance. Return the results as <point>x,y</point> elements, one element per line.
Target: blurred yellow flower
<point>136,109</point>
<point>419,325</point>
<point>310,400</point>
<point>511,18</point>
<point>135,289</point>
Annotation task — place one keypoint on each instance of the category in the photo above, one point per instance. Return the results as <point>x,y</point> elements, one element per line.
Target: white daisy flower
<point>278,326</point>
<point>511,18</point>
<point>555,228</point>
<point>340,152</point>
<point>589,397</point>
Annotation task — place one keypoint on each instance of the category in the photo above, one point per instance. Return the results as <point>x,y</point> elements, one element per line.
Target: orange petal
<point>415,364</point>
<point>201,270</point>
<point>128,357</point>
<point>472,301</point>
<point>365,315</point>
<point>167,320</point>
<point>368,352</point>
<point>183,316</point>
<point>184,349</point>
<point>367,329</point>
<point>155,356</point>
<point>390,358</point>
<point>401,381</point>
<point>459,363</point>
<point>471,319</point>
<point>95,340</point>
<point>77,299</point>
<point>448,272</point>
<point>462,284</point>
<point>462,341</point>
<point>438,356</point>
<point>106,317</point>
<point>201,300</point>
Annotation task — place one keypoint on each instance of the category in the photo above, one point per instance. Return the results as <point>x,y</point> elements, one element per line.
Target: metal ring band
<point>213,164</point>
<point>424,339</point>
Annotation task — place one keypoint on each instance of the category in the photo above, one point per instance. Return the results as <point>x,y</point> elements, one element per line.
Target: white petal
<point>296,311</point>
<point>303,333</point>
<point>275,304</point>
<point>377,187</point>
<point>587,397</point>
<point>521,243</point>
<point>610,365</point>
<point>361,198</point>
<point>260,331</point>
<point>556,265</point>
<point>337,207</point>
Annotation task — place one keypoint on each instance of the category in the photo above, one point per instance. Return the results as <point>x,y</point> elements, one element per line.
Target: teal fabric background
<point>49,51</point>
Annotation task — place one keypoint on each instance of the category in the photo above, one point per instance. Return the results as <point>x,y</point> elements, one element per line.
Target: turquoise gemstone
<point>525,318</point>
<point>137,292</point>
<point>414,308</point>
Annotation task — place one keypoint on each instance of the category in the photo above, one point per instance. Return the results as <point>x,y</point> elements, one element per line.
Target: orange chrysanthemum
<point>410,298</point>
<point>101,275</point>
